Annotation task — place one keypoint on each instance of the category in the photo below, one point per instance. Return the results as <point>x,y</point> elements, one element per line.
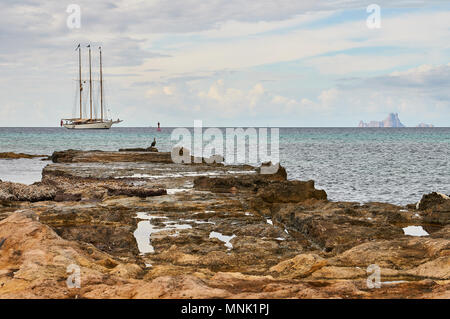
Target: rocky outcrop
<point>233,184</point>
<point>138,149</point>
<point>335,227</point>
<point>21,192</point>
<point>435,207</point>
<point>290,192</point>
<point>75,156</point>
<point>35,261</point>
<point>12,155</point>
<point>213,231</point>
<point>435,201</point>
<point>391,121</point>
<point>134,155</point>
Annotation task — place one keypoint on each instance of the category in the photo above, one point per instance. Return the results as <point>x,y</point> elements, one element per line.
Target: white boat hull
<point>86,126</point>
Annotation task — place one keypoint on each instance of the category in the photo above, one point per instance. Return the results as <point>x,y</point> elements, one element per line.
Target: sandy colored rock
<point>300,266</point>
<point>219,231</point>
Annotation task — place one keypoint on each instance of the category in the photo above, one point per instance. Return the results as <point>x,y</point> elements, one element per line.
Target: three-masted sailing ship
<point>91,122</point>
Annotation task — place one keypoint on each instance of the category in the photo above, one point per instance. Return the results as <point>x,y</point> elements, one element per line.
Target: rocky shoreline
<point>140,226</point>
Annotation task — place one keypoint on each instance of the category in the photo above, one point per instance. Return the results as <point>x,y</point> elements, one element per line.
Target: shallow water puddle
<point>417,231</point>
<point>139,175</point>
<point>242,172</point>
<point>145,229</point>
<point>199,221</point>
<point>223,238</point>
<point>172,191</point>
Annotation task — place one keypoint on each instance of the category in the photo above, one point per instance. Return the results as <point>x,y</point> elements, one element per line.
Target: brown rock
<point>35,262</point>
<point>434,201</point>
<point>67,197</point>
<point>75,156</point>
<point>290,192</point>
<point>136,191</point>
<point>21,192</point>
<point>300,266</point>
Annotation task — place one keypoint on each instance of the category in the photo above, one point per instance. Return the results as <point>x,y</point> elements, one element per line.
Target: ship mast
<point>81,85</point>
<point>101,85</point>
<point>90,80</point>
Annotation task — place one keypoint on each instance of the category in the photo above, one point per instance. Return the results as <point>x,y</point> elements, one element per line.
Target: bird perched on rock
<point>153,143</point>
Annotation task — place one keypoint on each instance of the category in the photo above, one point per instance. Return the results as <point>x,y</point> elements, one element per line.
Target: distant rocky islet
<point>392,120</point>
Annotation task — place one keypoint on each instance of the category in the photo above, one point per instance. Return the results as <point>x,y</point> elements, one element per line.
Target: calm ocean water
<point>350,164</point>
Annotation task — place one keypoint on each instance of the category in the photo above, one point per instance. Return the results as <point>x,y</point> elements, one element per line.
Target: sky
<point>229,63</point>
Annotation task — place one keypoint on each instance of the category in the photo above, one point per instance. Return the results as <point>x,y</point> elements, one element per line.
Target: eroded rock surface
<point>151,228</point>
<point>21,192</point>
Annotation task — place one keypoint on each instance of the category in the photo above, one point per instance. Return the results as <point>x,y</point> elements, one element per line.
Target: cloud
<point>204,58</point>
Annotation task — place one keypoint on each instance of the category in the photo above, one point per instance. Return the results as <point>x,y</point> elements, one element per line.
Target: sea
<point>394,165</point>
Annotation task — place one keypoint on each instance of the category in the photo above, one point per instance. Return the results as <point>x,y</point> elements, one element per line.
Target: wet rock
<point>136,191</point>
